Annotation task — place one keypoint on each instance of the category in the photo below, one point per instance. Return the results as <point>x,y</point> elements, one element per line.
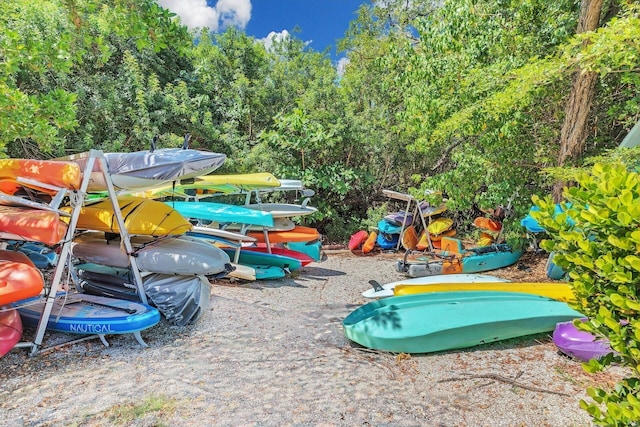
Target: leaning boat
<point>578,343</point>
<point>425,323</point>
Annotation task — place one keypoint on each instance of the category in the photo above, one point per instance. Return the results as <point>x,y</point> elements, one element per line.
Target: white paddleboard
<point>381,291</point>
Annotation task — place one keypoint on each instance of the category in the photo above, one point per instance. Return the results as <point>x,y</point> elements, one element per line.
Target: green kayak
<point>424,323</point>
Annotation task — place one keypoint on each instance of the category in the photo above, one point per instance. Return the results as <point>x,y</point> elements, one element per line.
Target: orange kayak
<point>298,234</point>
<point>19,281</point>
<point>370,243</point>
<point>17,223</point>
<point>65,174</point>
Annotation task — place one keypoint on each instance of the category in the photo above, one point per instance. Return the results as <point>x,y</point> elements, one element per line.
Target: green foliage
<point>597,241</point>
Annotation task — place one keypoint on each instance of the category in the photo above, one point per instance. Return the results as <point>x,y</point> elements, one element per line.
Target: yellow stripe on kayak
<point>556,291</point>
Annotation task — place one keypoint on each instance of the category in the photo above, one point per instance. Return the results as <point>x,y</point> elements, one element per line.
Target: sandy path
<point>273,354</point>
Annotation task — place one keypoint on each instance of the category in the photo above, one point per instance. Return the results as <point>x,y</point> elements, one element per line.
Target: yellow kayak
<point>141,216</point>
<point>556,291</point>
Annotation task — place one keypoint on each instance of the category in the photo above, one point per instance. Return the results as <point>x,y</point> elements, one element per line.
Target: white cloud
<point>342,63</point>
<point>274,37</point>
<point>198,14</point>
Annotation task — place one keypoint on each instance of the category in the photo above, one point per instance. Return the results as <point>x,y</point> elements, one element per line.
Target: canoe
<point>10,329</point>
<point>63,174</point>
<point>90,314</point>
<point>249,257</point>
<point>425,323</point>
<point>556,291</point>
<point>19,281</point>
<point>144,169</point>
<point>262,247</point>
<point>387,290</point>
<point>141,216</point>
<point>222,213</point>
<point>579,344</point>
<point>283,210</point>
<point>179,255</point>
<point>17,223</point>
<point>298,234</point>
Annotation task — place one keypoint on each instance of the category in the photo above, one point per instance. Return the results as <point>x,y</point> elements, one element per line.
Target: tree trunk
<point>574,130</point>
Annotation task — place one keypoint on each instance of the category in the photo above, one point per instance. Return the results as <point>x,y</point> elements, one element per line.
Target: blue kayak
<point>424,323</point>
<point>222,213</point>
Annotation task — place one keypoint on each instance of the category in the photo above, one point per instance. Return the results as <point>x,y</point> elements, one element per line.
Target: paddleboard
<point>10,329</point>
<point>178,255</point>
<point>424,323</point>
<point>51,172</point>
<point>90,314</point>
<point>279,224</point>
<point>37,225</point>
<point>19,281</point>
<point>556,291</point>
<point>381,291</point>
<point>283,210</point>
<point>298,234</point>
<point>222,213</point>
<point>141,216</point>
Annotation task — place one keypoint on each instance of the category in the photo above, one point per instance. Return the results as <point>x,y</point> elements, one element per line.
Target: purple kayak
<point>579,344</point>
<point>397,218</point>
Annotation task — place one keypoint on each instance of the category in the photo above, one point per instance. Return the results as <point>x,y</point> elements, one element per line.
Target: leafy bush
<point>599,249</point>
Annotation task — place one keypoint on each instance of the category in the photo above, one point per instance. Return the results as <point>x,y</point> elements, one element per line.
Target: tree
<point>574,129</point>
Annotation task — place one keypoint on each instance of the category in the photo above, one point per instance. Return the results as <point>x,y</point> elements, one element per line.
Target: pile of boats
<point>444,304</point>
<point>140,236</point>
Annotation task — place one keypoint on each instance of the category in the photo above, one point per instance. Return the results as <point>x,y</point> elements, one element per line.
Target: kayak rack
<point>77,199</point>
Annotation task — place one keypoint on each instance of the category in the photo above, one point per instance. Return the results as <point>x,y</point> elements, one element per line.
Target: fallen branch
<point>504,380</point>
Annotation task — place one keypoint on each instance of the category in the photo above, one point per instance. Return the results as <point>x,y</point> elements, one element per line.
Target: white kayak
<point>182,255</point>
<point>381,291</point>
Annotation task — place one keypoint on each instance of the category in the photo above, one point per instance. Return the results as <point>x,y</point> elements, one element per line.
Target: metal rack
<point>77,198</point>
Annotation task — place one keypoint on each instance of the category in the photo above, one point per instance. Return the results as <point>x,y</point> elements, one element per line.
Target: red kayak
<point>10,329</point>
<point>276,250</point>
<point>357,239</point>
<point>19,281</point>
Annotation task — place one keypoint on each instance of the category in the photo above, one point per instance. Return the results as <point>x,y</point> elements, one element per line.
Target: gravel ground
<point>273,353</point>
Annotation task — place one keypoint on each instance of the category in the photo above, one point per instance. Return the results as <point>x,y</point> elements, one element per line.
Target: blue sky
<point>321,22</point>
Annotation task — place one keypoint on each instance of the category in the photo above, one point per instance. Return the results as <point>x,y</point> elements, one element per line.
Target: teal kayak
<point>253,258</point>
<point>424,323</point>
<point>222,213</point>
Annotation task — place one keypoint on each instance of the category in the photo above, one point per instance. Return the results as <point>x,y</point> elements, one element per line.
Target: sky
<point>321,22</point>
